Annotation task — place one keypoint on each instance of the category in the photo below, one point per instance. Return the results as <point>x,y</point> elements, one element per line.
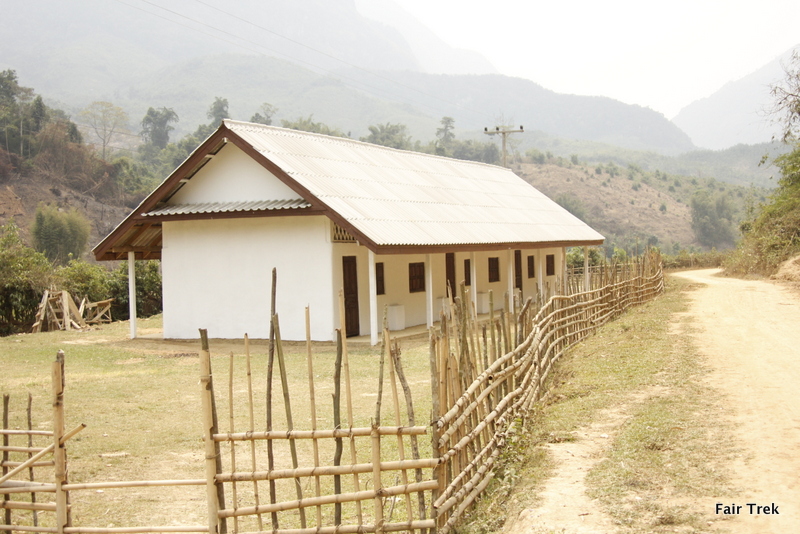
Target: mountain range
<point>349,63</point>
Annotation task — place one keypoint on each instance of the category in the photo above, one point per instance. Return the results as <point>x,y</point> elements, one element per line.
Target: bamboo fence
<point>387,476</point>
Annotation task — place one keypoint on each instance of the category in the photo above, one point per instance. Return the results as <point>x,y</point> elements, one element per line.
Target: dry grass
<point>141,402</point>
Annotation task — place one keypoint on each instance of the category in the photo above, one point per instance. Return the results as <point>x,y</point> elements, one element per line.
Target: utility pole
<point>503,131</point>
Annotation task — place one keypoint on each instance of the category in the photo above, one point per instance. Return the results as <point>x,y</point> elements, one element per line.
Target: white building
<point>389,227</point>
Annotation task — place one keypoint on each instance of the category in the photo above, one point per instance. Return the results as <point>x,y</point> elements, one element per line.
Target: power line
<point>341,77</point>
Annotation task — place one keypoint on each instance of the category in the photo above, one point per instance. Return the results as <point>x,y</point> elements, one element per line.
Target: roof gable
<point>231,176</point>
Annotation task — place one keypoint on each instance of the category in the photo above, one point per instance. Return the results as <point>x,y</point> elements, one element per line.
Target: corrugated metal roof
<point>228,207</point>
<point>396,197</point>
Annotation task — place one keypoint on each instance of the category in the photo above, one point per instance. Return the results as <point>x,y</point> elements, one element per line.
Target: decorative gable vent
<point>340,235</point>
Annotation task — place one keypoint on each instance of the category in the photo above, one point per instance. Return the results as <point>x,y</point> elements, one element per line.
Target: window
<point>518,269</point>
<point>467,273</point>
<point>531,267</point>
<point>416,277</point>
<point>494,269</point>
<point>380,288</point>
<point>551,265</point>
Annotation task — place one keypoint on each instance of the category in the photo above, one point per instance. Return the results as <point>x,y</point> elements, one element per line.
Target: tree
<point>445,135</point>
<point>307,124</point>
<point>156,126</point>
<point>218,111</point>
<point>712,219</point>
<point>106,120</point>
<point>264,114</point>
<point>60,235</point>
<point>391,135</point>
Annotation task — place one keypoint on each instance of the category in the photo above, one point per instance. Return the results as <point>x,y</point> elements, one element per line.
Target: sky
<point>661,55</point>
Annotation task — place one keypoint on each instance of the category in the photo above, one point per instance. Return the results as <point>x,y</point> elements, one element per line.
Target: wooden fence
<point>399,475</point>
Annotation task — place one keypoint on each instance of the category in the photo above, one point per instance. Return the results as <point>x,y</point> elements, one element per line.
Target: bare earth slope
<point>749,332</point>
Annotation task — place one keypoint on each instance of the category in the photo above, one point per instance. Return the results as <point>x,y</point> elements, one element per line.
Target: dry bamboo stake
<point>273,498</point>
<point>349,395</point>
<point>398,366</point>
<point>212,448</point>
<point>376,478</point>
<point>30,469</point>
<point>396,400</point>
<point>337,423</point>
<point>6,399</point>
<point>252,425</point>
<point>313,406</point>
<point>234,495</point>
<point>59,451</point>
<point>288,405</point>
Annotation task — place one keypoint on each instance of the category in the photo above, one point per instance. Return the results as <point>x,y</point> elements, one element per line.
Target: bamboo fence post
<point>288,406</point>
<point>376,478</point>
<point>6,399</point>
<point>214,491</point>
<point>337,424</point>
<point>349,395</point>
<point>273,497</point>
<point>252,426</point>
<point>438,471</point>
<point>30,454</point>
<point>59,449</point>
<point>234,495</point>
<point>313,406</point>
<point>396,401</point>
<point>398,366</point>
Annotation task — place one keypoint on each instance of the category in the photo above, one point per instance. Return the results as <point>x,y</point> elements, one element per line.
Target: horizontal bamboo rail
<point>27,528</point>
<point>323,434</point>
<point>41,453</point>
<point>357,529</point>
<point>133,484</point>
<point>399,465</point>
<point>331,499</point>
<point>133,530</point>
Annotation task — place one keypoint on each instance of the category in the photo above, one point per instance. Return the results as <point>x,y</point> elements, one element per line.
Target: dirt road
<point>749,332</point>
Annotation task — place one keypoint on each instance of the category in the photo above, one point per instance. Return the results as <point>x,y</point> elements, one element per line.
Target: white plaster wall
<point>217,275</point>
<point>232,176</point>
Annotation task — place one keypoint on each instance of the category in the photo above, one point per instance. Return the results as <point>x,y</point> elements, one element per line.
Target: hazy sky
<point>662,55</point>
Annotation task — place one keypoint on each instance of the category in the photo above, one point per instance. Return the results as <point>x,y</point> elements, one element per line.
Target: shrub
<point>24,275</point>
<point>60,235</point>
<point>148,290</point>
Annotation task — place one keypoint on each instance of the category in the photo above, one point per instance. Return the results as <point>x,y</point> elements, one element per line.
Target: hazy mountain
<point>330,59</point>
<point>433,54</point>
<point>737,113</point>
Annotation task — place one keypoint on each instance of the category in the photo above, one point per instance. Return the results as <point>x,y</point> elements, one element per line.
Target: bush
<point>85,280</point>
<point>148,290</point>
<point>24,275</point>
<point>60,235</point>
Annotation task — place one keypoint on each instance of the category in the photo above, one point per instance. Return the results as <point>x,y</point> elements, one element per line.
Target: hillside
<point>19,198</point>
<point>738,113</point>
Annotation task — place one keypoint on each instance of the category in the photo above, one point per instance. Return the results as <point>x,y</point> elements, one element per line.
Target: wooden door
<point>518,269</point>
<point>350,280</point>
<point>450,272</point>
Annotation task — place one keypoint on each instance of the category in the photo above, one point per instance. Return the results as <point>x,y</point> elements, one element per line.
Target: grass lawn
<point>141,401</point>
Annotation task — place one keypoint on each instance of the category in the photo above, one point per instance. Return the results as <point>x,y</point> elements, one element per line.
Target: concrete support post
<point>510,276</point>
<point>540,273</point>
<point>132,291</point>
<point>429,289</point>
<point>473,277</point>
<point>373,299</point>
